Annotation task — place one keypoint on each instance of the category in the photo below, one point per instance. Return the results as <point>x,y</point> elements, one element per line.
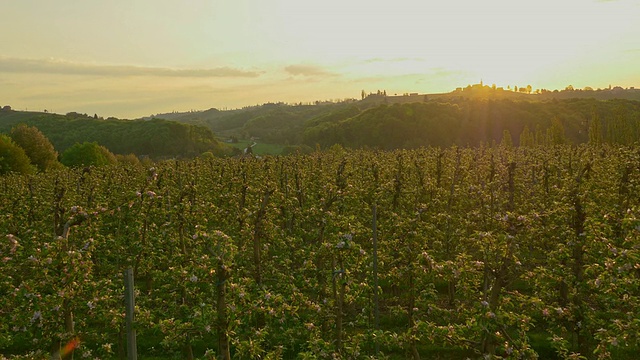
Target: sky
<point>134,58</point>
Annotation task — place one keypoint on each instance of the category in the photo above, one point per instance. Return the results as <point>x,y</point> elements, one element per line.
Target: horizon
<point>131,60</point>
<point>317,102</point>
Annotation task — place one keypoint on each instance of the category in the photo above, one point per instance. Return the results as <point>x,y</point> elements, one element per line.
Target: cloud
<point>51,66</point>
<point>392,60</point>
<point>307,70</point>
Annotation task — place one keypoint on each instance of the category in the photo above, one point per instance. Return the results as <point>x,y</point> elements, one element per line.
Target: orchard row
<point>499,252</point>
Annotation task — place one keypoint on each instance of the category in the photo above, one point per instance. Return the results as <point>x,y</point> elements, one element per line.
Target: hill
<point>471,122</point>
<point>154,138</point>
<point>302,124</point>
<point>272,123</point>
<point>466,116</point>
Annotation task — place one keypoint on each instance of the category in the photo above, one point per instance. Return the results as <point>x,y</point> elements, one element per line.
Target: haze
<point>130,59</point>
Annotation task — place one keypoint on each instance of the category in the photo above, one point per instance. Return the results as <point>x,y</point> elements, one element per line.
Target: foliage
<point>130,159</point>
<point>471,122</point>
<point>37,147</point>
<point>87,154</point>
<point>461,118</point>
<point>13,158</point>
<point>257,148</point>
<point>494,252</point>
<point>300,149</point>
<point>272,123</point>
<point>152,138</point>
<point>377,122</point>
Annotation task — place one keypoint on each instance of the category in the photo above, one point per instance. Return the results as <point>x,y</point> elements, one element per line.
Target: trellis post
<point>129,300</point>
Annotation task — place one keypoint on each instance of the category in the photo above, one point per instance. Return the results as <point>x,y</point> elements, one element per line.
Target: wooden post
<point>223,320</point>
<point>376,304</point>
<point>129,300</point>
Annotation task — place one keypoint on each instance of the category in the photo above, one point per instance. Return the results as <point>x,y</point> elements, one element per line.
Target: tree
<point>555,134</point>
<point>595,129</point>
<point>37,147</point>
<point>526,137</point>
<point>130,159</point>
<point>207,155</point>
<point>86,154</point>
<point>540,138</point>
<point>506,142</point>
<point>13,157</point>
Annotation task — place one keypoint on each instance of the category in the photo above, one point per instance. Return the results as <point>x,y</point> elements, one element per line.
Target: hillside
<point>273,123</point>
<point>467,116</point>
<point>155,138</point>
<point>318,124</point>
<point>472,122</point>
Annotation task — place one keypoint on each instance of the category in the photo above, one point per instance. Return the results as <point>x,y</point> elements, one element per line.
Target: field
<point>259,148</point>
<point>434,253</point>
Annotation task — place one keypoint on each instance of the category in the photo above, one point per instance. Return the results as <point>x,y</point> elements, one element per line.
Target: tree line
<point>434,122</point>
<point>25,150</point>
<point>469,122</point>
<point>410,122</point>
<point>156,139</point>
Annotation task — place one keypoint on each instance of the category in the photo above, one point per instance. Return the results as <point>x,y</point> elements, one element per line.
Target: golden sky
<point>133,58</point>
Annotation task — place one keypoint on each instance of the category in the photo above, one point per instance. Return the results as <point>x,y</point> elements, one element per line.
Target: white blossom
<point>36,315</point>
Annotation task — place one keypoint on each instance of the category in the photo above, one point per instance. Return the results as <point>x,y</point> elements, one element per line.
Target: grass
<point>259,148</point>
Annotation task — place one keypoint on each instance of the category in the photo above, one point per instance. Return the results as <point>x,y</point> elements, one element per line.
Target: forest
<point>381,123</point>
<point>156,139</point>
<point>473,122</point>
<point>439,252</point>
<point>376,122</point>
